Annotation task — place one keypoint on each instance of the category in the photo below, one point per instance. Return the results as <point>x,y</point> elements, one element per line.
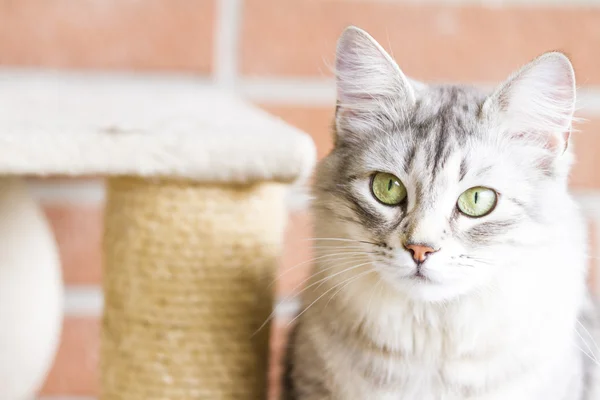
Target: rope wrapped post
<point>187,283</point>
<point>193,223</point>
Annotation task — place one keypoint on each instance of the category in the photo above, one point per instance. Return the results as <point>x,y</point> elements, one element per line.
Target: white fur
<point>505,327</point>
<point>528,306</point>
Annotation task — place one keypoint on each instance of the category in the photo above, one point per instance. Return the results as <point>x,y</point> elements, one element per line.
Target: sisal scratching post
<point>195,213</point>
<point>187,283</point>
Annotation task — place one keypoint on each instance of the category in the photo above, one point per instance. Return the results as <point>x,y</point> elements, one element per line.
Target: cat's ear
<point>368,80</point>
<point>537,102</point>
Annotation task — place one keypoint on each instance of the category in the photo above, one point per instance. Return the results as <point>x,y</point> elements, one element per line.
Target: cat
<point>450,256</point>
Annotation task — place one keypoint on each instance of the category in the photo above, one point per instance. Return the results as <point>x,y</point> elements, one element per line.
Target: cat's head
<point>441,185</point>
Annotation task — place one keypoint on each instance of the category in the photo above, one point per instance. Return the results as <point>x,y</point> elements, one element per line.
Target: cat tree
<point>194,219</point>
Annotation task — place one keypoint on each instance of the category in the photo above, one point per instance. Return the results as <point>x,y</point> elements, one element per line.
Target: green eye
<point>388,189</point>
<point>477,202</point>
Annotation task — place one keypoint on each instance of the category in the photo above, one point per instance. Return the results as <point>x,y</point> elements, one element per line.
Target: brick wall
<point>276,53</point>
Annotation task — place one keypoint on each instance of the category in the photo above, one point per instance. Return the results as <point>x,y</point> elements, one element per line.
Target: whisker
<point>375,286</point>
<point>591,352</point>
<point>589,335</point>
<point>593,359</point>
<point>342,288</point>
<point>343,240</point>
<point>327,278</point>
<point>478,259</point>
<point>323,280</point>
<point>314,259</point>
<point>465,265</point>
<point>327,291</point>
<point>349,247</point>
<point>340,272</point>
<point>293,294</point>
<point>329,267</point>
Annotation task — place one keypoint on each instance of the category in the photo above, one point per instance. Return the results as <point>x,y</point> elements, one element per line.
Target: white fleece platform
<point>89,124</point>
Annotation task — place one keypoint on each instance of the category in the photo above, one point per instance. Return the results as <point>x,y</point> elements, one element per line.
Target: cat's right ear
<point>369,83</point>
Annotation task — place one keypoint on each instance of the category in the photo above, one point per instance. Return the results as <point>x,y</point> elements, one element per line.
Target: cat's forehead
<point>452,106</point>
<point>442,123</point>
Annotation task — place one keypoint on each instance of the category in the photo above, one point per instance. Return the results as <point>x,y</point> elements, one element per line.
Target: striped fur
<point>503,311</point>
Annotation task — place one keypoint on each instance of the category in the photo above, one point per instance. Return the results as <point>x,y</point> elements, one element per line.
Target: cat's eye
<point>388,189</point>
<point>477,202</point>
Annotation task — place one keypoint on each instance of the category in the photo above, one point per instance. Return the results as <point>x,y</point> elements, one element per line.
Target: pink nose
<point>420,251</point>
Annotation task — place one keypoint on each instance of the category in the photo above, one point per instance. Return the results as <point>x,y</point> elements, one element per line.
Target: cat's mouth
<point>420,276</point>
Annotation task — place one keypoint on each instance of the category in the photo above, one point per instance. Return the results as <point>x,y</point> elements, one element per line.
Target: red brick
<point>316,121</point>
<point>78,232</point>
<point>586,171</point>
<point>297,254</point>
<point>279,336</point>
<point>75,368</point>
<point>108,34</point>
<point>430,42</point>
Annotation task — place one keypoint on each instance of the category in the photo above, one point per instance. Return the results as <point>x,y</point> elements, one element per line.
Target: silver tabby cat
<point>450,257</point>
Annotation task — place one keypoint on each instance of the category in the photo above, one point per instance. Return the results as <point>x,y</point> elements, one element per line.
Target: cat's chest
<point>438,373</point>
<point>419,364</point>
<point>467,351</point>
<point>405,358</point>
<point>379,377</point>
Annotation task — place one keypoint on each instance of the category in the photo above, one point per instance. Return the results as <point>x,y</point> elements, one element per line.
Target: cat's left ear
<point>537,102</point>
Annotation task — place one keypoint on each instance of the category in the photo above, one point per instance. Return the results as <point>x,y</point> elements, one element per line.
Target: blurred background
<point>276,54</point>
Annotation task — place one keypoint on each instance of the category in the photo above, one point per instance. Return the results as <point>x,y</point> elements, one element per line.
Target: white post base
<point>31,293</point>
